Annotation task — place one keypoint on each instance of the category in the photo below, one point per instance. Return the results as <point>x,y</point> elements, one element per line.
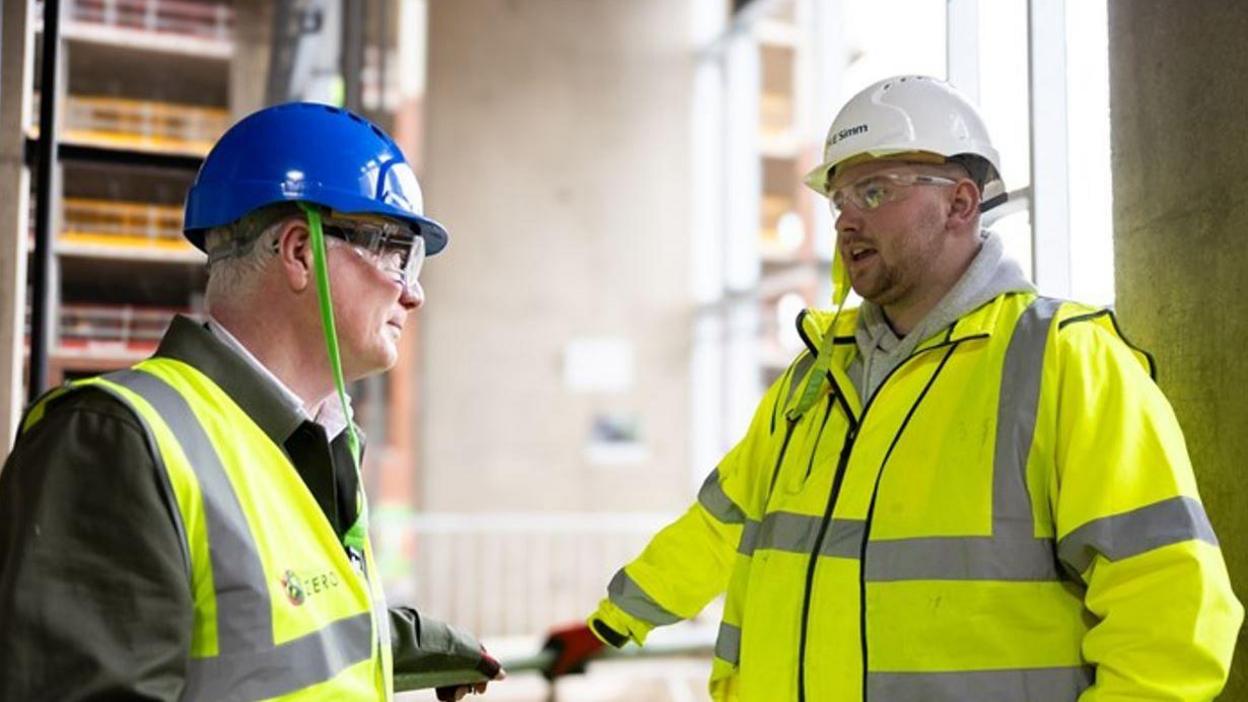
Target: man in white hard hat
<point>960,491</point>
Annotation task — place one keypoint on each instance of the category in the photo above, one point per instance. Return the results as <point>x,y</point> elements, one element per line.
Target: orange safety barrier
<point>123,224</point>
<point>146,125</point>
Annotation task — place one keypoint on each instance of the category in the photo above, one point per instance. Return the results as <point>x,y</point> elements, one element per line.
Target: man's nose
<point>848,220</point>
<point>412,297</point>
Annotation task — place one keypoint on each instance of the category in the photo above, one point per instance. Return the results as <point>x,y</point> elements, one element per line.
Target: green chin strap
<point>355,536</point>
<point>823,361</point>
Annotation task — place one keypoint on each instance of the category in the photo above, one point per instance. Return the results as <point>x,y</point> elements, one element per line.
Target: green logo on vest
<point>294,588</point>
<point>299,589</point>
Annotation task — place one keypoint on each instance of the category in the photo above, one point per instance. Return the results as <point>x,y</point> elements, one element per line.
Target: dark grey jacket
<point>95,601</point>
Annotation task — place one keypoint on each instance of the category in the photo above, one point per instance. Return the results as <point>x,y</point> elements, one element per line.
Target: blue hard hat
<point>306,152</point>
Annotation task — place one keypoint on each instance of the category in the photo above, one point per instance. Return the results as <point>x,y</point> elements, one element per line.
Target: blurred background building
<point>631,242</point>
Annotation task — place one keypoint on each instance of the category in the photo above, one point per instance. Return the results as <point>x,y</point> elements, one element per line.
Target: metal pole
<point>39,312</point>
<point>282,57</point>
<point>352,57</point>
<point>383,43</point>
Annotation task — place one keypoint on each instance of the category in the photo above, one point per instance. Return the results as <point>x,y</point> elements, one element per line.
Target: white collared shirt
<point>329,414</point>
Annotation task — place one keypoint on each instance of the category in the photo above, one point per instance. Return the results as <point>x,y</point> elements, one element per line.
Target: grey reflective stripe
<point>1131,533</point>
<point>717,502</point>
<point>1018,685</point>
<point>844,538</point>
<point>1016,419</point>
<point>795,533</point>
<point>1012,552</point>
<point>283,669</point>
<point>167,492</point>
<point>785,531</point>
<point>962,558</point>
<point>728,643</point>
<point>244,617</point>
<point>749,537</point>
<point>628,596</point>
<point>249,665</point>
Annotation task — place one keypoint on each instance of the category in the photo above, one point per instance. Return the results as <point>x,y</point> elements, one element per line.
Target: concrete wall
<point>557,151</point>
<point>1180,146</point>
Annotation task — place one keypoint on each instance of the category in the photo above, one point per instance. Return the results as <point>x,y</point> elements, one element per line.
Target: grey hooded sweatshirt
<point>880,350</point>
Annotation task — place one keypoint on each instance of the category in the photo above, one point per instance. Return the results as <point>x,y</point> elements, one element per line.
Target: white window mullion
<point>962,46</point>
<point>1050,188</point>
<point>743,184</point>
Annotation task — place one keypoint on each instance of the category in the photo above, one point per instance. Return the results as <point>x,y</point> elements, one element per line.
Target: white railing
<point>510,577</point>
<point>508,574</point>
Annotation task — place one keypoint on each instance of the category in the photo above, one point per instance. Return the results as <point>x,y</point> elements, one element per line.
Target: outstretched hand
<point>489,666</point>
<point>572,648</point>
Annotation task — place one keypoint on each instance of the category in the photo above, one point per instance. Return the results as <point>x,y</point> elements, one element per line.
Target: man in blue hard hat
<point>195,527</point>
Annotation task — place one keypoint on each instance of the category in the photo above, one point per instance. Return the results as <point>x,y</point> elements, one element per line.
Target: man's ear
<point>294,253</point>
<point>964,205</point>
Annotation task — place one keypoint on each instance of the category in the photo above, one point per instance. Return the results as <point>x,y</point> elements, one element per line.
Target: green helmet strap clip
<point>355,536</point>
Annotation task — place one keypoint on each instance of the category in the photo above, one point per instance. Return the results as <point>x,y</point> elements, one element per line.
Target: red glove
<point>574,646</point>
<point>488,666</point>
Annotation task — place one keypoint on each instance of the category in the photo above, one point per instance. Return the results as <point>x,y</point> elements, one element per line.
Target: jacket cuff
<point>617,621</point>
<point>423,645</point>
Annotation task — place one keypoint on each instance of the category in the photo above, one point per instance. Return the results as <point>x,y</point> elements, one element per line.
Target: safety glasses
<point>393,248</point>
<point>879,189</point>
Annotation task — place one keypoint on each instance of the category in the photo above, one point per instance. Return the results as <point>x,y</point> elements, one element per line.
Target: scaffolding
<point>125,224</point>
<point>143,125</point>
<point>211,20</point>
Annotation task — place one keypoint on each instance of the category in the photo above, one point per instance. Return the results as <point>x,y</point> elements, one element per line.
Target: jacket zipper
<point>811,564</point>
<point>866,529</point>
<point>842,463</point>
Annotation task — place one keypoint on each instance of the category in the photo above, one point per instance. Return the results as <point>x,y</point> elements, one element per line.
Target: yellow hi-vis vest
<point>1011,518</point>
<point>280,611</point>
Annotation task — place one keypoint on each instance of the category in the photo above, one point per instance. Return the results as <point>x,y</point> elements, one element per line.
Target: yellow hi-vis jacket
<point>280,610</point>
<point>1011,518</point>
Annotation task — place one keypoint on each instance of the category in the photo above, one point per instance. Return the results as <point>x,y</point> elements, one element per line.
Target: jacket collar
<point>813,325</point>
<point>192,343</point>
<point>979,322</point>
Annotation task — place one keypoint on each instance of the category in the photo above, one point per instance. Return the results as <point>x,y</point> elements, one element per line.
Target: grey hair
<point>238,252</point>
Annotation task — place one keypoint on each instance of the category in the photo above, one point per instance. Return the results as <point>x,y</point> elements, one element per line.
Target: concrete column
<point>1180,146</point>
<point>15,89</point>
<point>557,154</point>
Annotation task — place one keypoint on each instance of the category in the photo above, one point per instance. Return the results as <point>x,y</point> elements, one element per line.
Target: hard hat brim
<point>262,195</point>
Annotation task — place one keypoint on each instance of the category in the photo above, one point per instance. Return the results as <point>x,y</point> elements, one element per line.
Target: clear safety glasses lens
<point>879,189</point>
<point>394,249</point>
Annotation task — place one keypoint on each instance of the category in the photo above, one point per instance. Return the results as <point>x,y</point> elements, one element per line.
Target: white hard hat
<point>907,114</point>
